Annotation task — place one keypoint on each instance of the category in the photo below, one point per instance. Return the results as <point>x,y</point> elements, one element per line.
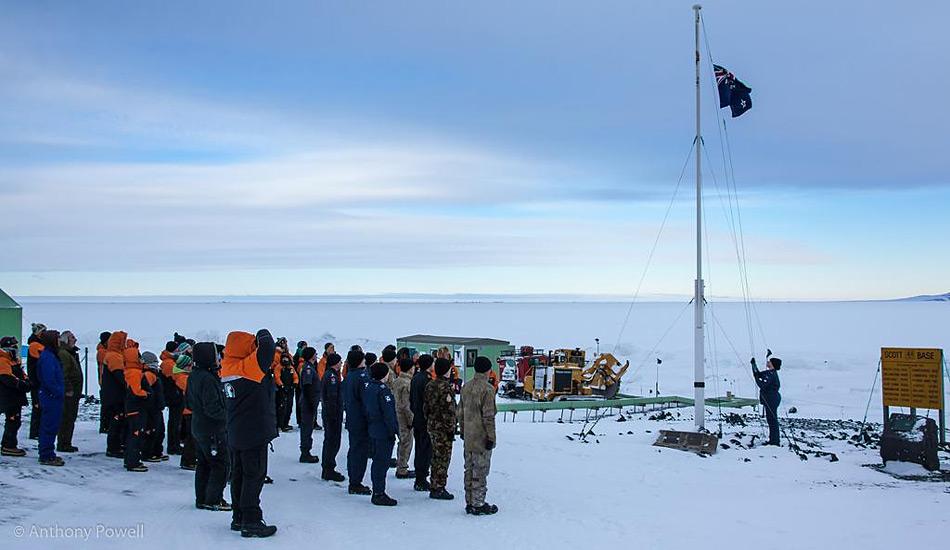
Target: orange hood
<point>239,358</point>
<point>117,341</point>
<point>239,345</point>
<point>131,356</point>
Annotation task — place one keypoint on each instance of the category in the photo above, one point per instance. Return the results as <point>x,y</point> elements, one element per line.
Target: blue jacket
<point>769,386</point>
<point>309,387</point>
<point>332,396</point>
<point>380,407</point>
<point>50,373</point>
<point>353,386</point>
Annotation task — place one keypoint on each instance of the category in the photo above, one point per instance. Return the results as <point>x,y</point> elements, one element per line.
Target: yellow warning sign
<point>912,377</point>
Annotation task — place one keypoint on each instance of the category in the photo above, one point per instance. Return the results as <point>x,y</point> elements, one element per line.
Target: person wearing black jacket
<point>251,424</point>
<point>205,398</point>
<point>14,386</point>
<point>420,431</point>
<point>332,397</point>
<point>309,386</point>
<point>769,385</point>
<point>174,400</point>
<point>32,361</point>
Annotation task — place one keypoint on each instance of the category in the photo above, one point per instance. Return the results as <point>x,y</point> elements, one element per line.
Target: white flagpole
<point>699,383</point>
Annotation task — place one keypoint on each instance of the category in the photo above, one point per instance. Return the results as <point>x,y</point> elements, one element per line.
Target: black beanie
<point>104,337</point>
<point>308,353</point>
<point>405,364</point>
<point>482,364</point>
<point>354,358</point>
<point>205,355</point>
<point>425,361</point>
<point>442,366</point>
<point>327,346</point>
<point>370,358</point>
<point>333,360</point>
<point>776,363</point>
<point>379,371</point>
<point>171,346</point>
<point>388,355</point>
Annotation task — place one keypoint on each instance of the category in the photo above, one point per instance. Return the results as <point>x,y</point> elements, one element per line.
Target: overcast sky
<point>480,147</point>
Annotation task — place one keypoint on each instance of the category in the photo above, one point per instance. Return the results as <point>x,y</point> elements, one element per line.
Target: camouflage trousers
<point>404,450</point>
<point>441,456</point>
<point>477,465</point>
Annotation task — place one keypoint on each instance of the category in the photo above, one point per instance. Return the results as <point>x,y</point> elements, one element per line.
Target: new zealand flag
<point>732,92</point>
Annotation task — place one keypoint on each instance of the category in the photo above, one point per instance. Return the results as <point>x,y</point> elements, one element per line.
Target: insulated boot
<point>222,506</point>
<point>307,458</point>
<point>111,454</point>
<point>332,475</point>
<point>55,461</point>
<point>152,459</point>
<point>441,494</point>
<point>12,451</point>
<point>257,530</point>
<point>360,489</point>
<point>137,468</point>
<point>483,510</point>
<point>422,486</point>
<point>382,499</point>
<point>408,475</point>
<point>235,524</point>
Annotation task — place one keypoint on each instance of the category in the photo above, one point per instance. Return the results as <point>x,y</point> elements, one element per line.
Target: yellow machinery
<point>602,377</point>
<point>561,376</point>
<point>566,374</point>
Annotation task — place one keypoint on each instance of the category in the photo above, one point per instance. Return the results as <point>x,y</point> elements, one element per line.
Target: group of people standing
<point>54,381</point>
<point>226,403</point>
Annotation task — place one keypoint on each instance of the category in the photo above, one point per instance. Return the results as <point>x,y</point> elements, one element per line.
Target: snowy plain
<point>553,490</point>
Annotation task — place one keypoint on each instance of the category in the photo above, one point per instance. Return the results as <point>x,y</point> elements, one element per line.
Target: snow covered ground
<point>553,491</point>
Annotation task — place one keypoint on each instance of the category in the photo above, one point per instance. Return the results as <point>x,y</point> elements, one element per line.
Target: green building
<point>464,350</point>
<point>11,316</point>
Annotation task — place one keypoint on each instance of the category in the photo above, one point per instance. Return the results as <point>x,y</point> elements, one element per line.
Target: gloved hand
<point>752,362</point>
<point>489,444</point>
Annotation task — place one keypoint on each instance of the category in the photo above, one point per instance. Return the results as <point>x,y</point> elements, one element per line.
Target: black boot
<point>441,494</point>
<point>332,475</point>
<point>483,510</point>
<point>382,499</point>
<point>408,475</point>
<point>257,530</point>
<point>422,486</point>
<point>307,458</point>
<point>360,490</point>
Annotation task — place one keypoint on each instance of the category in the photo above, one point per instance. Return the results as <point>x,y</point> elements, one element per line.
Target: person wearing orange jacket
<point>14,386</point>
<point>113,393</point>
<point>136,406</point>
<point>32,361</point>
<point>100,365</point>
<point>183,365</point>
<point>251,423</point>
<point>174,399</point>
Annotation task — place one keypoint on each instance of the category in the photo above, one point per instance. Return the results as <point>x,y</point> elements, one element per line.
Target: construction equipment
<point>602,378</point>
<point>559,375</point>
<point>513,369</point>
<point>562,376</point>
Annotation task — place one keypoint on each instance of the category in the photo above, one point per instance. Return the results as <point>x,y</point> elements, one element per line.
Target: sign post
<point>913,377</point>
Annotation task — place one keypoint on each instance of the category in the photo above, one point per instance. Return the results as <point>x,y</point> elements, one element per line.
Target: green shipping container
<point>464,350</point>
<point>11,317</point>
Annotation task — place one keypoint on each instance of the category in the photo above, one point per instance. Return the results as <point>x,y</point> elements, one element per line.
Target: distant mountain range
<point>945,297</point>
